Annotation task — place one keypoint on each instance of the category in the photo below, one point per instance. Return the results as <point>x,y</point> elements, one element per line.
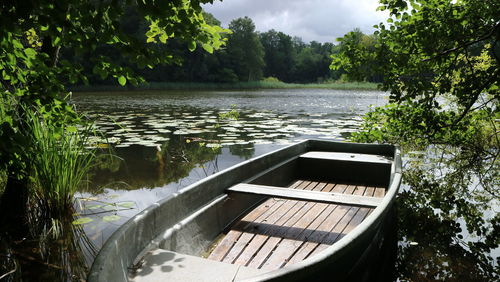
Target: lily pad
<point>82,220</point>
<point>126,204</point>
<point>109,218</point>
<point>122,145</point>
<point>213,145</point>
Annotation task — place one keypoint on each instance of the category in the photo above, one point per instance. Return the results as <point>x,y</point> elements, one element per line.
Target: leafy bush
<point>271,79</point>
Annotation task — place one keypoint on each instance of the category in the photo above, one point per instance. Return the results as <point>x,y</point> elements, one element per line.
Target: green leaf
<point>122,80</point>
<point>71,129</point>
<point>163,38</point>
<point>56,41</point>
<point>11,59</point>
<point>192,46</point>
<point>82,220</point>
<point>208,48</point>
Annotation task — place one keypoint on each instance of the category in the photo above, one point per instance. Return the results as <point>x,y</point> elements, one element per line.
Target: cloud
<point>320,20</point>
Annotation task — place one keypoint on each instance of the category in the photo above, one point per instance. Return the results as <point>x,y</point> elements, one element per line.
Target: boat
<point>317,210</point>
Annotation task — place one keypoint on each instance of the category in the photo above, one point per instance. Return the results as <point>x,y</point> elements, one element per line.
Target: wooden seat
<point>295,194</point>
<point>288,229</point>
<point>351,157</point>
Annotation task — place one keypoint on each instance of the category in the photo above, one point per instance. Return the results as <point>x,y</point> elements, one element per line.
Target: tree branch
<point>9,273</point>
<point>474,99</point>
<point>465,45</point>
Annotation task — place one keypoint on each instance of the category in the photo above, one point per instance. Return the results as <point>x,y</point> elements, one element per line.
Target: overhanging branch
<point>496,27</point>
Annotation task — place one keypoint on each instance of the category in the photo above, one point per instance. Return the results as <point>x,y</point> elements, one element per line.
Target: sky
<point>319,20</point>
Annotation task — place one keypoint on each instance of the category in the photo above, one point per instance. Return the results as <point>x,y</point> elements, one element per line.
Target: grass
<point>59,161</point>
<point>232,86</point>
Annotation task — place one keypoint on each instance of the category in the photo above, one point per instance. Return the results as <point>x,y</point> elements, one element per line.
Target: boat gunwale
<point>111,245</point>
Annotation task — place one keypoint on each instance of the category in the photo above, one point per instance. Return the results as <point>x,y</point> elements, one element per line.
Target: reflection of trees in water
<point>141,166</point>
<point>245,151</point>
<point>54,244</point>
<point>448,226</point>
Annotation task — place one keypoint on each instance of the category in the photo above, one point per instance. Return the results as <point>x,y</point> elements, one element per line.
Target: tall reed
<point>59,161</point>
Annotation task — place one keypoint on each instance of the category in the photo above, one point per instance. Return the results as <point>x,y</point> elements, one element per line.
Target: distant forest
<point>247,56</point>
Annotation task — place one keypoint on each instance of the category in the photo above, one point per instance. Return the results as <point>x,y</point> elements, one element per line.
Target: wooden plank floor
<point>282,232</point>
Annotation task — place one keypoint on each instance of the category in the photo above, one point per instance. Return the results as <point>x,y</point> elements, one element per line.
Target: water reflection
<point>162,142</point>
<point>449,221</point>
<point>148,167</point>
<point>52,250</point>
<point>271,116</point>
<point>121,187</point>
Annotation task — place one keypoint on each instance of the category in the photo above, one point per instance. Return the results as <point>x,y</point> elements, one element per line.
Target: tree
<point>279,55</point>
<point>312,61</point>
<point>440,60</point>
<point>361,47</point>
<point>32,35</point>
<point>245,50</point>
<point>191,66</point>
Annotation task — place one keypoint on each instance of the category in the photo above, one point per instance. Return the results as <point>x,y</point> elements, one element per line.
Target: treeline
<point>247,56</point>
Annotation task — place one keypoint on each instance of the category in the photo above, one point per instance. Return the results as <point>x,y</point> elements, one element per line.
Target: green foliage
<point>441,66</point>
<point>271,79</point>
<point>286,58</point>
<point>263,84</point>
<point>356,53</point>
<point>413,123</point>
<point>443,83</point>
<point>232,114</point>
<point>312,61</point>
<point>59,160</point>
<point>33,38</point>
<point>440,60</point>
<point>279,55</point>
<point>442,55</point>
<point>3,181</point>
<point>245,50</point>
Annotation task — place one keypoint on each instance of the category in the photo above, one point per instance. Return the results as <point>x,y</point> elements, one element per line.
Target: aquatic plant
<point>59,161</point>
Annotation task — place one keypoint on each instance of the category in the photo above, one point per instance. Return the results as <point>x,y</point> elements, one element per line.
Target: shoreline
<point>226,86</point>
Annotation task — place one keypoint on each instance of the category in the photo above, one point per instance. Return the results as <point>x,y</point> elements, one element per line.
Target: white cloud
<point>320,20</point>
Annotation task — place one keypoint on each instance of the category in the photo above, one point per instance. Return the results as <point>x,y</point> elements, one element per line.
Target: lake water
<point>154,143</point>
<point>163,141</point>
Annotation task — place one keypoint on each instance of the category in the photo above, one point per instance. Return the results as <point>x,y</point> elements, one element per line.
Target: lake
<point>162,141</point>
<point>153,143</point>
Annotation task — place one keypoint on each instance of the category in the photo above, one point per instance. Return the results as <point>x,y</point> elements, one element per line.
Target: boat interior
<point>285,214</point>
